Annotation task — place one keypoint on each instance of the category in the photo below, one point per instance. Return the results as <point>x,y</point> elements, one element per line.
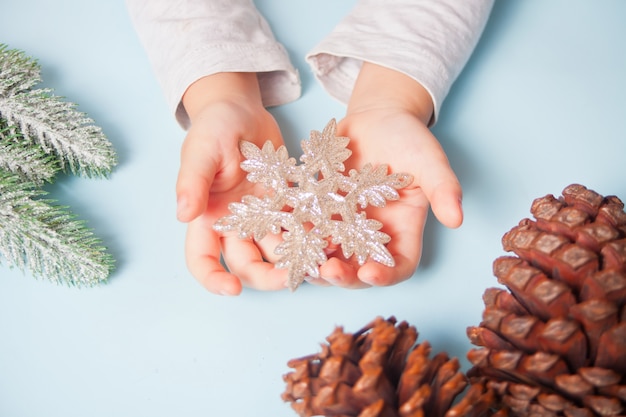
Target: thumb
<point>195,177</point>
<point>443,191</point>
<point>445,200</point>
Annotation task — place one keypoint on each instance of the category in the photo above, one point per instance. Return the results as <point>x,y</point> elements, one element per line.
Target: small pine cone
<point>379,371</point>
<point>554,342</point>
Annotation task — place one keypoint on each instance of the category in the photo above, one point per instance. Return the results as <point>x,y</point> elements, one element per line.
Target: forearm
<point>234,87</point>
<point>186,40</point>
<point>378,87</point>
<point>429,40</point>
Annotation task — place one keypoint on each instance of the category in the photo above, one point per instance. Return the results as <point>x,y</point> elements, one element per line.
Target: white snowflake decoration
<point>322,204</point>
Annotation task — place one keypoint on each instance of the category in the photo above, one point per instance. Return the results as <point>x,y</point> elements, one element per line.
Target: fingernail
<point>181,206</point>
<point>332,280</point>
<point>225,292</point>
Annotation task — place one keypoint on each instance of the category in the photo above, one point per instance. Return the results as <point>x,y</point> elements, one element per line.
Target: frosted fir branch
<point>18,72</point>
<point>46,239</point>
<point>60,129</point>
<point>21,157</point>
<point>49,121</point>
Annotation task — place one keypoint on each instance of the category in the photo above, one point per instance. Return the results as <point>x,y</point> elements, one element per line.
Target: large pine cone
<point>379,371</point>
<point>554,344</point>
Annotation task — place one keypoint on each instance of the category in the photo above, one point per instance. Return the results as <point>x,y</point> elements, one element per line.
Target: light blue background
<point>540,105</point>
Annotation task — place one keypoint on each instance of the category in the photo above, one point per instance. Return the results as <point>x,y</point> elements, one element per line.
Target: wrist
<point>236,87</point>
<point>379,87</point>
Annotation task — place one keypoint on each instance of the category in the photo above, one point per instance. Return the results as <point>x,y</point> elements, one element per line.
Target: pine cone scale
<point>612,348</point>
<point>565,338</point>
<point>600,377</point>
<point>574,385</point>
<point>614,254</point>
<point>608,284</point>
<point>604,406</point>
<point>552,402</point>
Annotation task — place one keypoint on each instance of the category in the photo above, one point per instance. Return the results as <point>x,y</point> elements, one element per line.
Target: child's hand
<point>224,109</point>
<point>387,124</point>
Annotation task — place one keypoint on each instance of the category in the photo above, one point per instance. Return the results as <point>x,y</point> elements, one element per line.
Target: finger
<point>404,223</point>
<point>443,190</point>
<point>378,275</point>
<point>244,259</point>
<point>341,273</point>
<point>320,282</point>
<point>202,249</point>
<point>446,202</point>
<point>267,245</point>
<point>198,167</point>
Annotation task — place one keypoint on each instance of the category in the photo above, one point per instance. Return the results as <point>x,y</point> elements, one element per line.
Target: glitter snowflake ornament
<point>313,203</point>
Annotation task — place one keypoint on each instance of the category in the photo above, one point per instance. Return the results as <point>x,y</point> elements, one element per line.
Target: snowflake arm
<point>254,217</point>
<point>301,253</point>
<point>372,186</point>
<point>361,237</point>
<point>325,152</point>
<point>271,168</point>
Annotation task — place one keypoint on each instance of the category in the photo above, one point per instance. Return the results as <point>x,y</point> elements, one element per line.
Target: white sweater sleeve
<point>186,40</point>
<point>428,40</point>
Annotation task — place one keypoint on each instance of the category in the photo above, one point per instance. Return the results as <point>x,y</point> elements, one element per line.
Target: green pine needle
<point>19,72</point>
<point>21,157</point>
<point>47,239</point>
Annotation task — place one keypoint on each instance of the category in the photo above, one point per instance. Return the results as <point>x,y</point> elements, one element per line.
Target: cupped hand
<point>386,128</point>
<point>224,109</point>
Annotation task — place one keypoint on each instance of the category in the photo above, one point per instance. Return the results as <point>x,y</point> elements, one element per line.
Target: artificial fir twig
<point>21,157</point>
<point>40,134</point>
<point>50,122</point>
<point>47,239</point>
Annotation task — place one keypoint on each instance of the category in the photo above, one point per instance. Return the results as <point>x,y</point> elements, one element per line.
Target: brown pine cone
<point>554,342</point>
<point>379,371</point>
